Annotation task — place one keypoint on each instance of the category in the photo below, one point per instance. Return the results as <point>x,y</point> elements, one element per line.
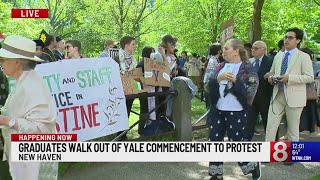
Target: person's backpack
<point>159,126</point>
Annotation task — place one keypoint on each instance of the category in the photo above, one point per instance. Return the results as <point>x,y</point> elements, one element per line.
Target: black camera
<point>276,79</point>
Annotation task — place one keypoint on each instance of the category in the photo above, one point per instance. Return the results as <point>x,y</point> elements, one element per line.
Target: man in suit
<point>261,102</point>
<point>294,68</point>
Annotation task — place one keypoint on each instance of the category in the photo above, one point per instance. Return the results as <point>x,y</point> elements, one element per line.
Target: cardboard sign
<point>132,82</point>
<point>156,73</point>
<point>226,30</point>
<point>89,96</point>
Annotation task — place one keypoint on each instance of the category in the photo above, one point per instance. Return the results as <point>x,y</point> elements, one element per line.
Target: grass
<point>198,109</point>
<point>315,178</point>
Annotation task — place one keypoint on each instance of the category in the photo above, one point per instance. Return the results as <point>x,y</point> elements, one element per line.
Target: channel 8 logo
<point>280,152</point>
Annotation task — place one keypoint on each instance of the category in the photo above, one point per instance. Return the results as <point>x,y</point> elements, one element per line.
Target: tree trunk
<point>256,29</point>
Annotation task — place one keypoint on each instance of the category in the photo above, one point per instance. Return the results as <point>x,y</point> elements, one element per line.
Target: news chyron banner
<point>65,148</point>
<point>88,94</point>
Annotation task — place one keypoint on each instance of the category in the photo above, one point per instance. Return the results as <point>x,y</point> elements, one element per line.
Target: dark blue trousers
<point>234,123</point>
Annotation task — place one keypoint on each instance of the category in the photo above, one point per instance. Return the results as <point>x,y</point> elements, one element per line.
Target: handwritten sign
<point>156,73</point>
<point>226,30</point>
<point>89,96</point>
<point>133,81</point>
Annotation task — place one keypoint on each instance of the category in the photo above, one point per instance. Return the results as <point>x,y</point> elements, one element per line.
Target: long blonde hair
<point>238,44</point>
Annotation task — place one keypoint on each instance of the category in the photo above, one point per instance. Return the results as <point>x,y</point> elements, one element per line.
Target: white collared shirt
<point>253,61</point>
<point>230,102</point>
<point>260,60</point>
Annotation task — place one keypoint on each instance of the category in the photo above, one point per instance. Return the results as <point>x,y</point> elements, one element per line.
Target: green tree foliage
<point>25,27</point>
<point>277,16</point>
<point>196,23</point>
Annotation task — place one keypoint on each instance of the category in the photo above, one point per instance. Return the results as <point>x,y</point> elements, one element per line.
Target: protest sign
<point>156,73</point>
<point>227,28</point>
<point>113,52</point>
<point>89,96</point>
<point>133,81</point>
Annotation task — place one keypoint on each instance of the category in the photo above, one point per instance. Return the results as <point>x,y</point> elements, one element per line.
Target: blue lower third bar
<point>305,151</point>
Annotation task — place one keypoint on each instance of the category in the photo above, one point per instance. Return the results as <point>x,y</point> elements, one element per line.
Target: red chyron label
<point>280,152</point>
<point>43,137</point>
<point>29,13</point>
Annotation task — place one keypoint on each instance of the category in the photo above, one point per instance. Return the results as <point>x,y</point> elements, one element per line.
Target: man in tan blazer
<point>294,68</point>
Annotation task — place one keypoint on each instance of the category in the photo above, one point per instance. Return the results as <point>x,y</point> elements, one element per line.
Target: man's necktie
<point>256,65</point>
<point>284,67</point>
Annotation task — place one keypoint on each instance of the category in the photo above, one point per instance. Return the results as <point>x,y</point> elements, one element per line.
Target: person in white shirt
<point>231,91</point>
<point>29,108</point>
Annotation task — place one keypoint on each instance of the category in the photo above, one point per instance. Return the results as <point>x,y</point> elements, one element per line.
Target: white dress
<point>30,103</point>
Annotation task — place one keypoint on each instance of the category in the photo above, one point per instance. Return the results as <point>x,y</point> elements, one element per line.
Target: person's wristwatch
<point>12,122</point>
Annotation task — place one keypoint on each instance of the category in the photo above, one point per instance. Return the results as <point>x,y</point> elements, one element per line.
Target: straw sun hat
<point>18,47</point>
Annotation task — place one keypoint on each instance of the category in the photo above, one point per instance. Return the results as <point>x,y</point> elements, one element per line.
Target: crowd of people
<point>241,83</point>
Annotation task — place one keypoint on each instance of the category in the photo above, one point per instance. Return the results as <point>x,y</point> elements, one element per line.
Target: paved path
<point>188,171</point>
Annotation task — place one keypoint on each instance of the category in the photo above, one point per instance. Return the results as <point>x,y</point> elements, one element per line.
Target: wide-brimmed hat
<point>18,47</point>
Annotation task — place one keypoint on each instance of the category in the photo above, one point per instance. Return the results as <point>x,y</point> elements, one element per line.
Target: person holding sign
<point>126,54</point>
<point>168,44</point>
<point>108,45</point>
<point>29,109</point>
<point>127,63</point>
<point>232,88</point>
<point>146,103</point>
